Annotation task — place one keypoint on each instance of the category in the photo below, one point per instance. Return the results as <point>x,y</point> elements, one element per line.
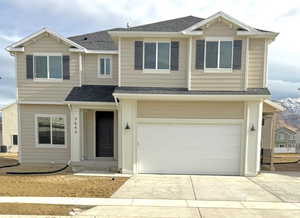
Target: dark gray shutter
<point>66,67</point>
<point>174,55</point>
<point>29,66</point>
<point>138,55</point>
<point>200,54</point>
<point>237,54</point>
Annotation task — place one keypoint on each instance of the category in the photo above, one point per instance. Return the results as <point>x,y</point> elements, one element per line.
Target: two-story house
<point>285,140</point>
<point>180,96</point>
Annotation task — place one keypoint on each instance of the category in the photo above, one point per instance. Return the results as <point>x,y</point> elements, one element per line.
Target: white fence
<point>284,150</point>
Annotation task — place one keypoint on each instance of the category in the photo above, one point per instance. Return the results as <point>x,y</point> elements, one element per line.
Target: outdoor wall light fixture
<point>252,128</point>
<point>127,127</point>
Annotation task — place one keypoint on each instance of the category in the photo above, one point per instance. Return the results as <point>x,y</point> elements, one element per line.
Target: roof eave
<point>144,34</point>
<point>16,45</point>
<point>189,97</point>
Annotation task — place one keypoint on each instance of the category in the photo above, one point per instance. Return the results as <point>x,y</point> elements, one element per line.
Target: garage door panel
<point>189,149</point>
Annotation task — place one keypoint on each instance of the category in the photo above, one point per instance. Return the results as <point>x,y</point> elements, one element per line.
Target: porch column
<point>75,135</point>
<point>128,110</point>
<point>253,128</point>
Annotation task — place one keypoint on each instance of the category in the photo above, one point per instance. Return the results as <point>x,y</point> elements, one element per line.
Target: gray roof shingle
<point>102,40</point>
<point>91,93</point>
<point>173,25</point>
<point>96,41</point>
<point>104,93</point>
<point>184,91</point>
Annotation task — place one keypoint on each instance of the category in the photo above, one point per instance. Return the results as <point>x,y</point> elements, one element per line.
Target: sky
<point>20,18</point>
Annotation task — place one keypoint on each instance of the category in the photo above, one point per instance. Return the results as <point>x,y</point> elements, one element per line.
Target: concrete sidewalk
<point>152,203</point>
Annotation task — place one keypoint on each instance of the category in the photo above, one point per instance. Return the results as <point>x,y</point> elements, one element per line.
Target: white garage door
<point>189,148</point>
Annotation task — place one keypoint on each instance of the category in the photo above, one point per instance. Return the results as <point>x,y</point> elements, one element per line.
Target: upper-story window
<point>157,55</point>
<point>218,54</point>
<point>48,66</point>
<point>104,67</point>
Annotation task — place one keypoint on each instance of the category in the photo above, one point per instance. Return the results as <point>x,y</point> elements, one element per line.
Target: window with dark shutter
<point>200,54</point>
<point>237,54</point>
<point>174,55</point>
<point>138,55</point>
<point>29,66</point>
<point>66,67</point>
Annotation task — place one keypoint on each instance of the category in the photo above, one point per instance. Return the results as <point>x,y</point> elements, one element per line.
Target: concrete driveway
<point>266,187</point>
<point>267,195</point>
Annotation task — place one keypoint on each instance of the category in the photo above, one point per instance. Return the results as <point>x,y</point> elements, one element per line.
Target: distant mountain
<point>291,116</point>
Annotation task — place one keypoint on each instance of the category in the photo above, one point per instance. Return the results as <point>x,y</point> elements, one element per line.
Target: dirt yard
<point>38,209</point>
<point>63,184</point>
<point>286,158</point>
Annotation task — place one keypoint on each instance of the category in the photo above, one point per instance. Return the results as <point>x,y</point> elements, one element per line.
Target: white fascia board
<point>44,30</point>
<point>87,51</point>
<point>275,105</point>
<point>215,16</point>
<point>19,49</point>
<point>170,97</point>
<point>90,103</point>
<point>193,33</point>
<point>144,34</point>
<point>258,34</point>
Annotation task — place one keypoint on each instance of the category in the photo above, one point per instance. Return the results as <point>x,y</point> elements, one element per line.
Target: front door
<point>104,134</point>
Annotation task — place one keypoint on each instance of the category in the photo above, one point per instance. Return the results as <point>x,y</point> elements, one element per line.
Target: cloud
<point>290,13</point>
<point>20,18</point>
<point>283,89</point>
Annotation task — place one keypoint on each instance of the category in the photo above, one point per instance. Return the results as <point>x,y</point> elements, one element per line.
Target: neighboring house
<point>10,127</point>
<point>270,113</point>
<point>285,140</point>
<point>178,96</point>
<point>1,132</point>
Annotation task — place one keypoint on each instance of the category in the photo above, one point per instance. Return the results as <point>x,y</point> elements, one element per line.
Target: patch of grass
<point>38,209</point>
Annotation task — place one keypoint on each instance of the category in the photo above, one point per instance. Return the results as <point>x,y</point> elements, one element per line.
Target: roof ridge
<point>189,16</point>
<point>106,30</point>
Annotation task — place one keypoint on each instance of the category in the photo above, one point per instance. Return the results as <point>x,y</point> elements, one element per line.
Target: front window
<point>219,54</point>
<point>50,130</point>
<point>105,66</point>
<point>157,55</point>
<point>48,66</point>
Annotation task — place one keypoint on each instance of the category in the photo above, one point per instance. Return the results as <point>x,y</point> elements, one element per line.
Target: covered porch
<point>94,136</point>
<point>94,128</point>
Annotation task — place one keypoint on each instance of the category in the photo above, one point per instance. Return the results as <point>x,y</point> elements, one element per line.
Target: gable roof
<point>173,25</point>
<point>217,15</point>
<point>17,44</point>
<point>100,40</point>
<point>287,128</point>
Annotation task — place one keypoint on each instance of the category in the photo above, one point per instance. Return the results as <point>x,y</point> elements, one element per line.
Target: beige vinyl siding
<point>9,124</point>
<point>32,154</point>
<point>256,63</point>
<point>49,91</point>
<point>190,110</point>
<point>234,80</point>
<point>132,77</point>
<point>90,70</point>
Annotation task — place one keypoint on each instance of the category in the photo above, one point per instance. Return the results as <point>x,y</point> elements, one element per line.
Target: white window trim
<point>48,79</point>
<point>156,70</point>
<point>99,75</point>
<point>37,131</point>
<point>218,69</point>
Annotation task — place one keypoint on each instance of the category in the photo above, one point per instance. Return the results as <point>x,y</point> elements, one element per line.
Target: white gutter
<point>89,103</point>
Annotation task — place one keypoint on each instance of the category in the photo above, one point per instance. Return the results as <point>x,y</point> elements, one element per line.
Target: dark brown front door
<point>104,134</point>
